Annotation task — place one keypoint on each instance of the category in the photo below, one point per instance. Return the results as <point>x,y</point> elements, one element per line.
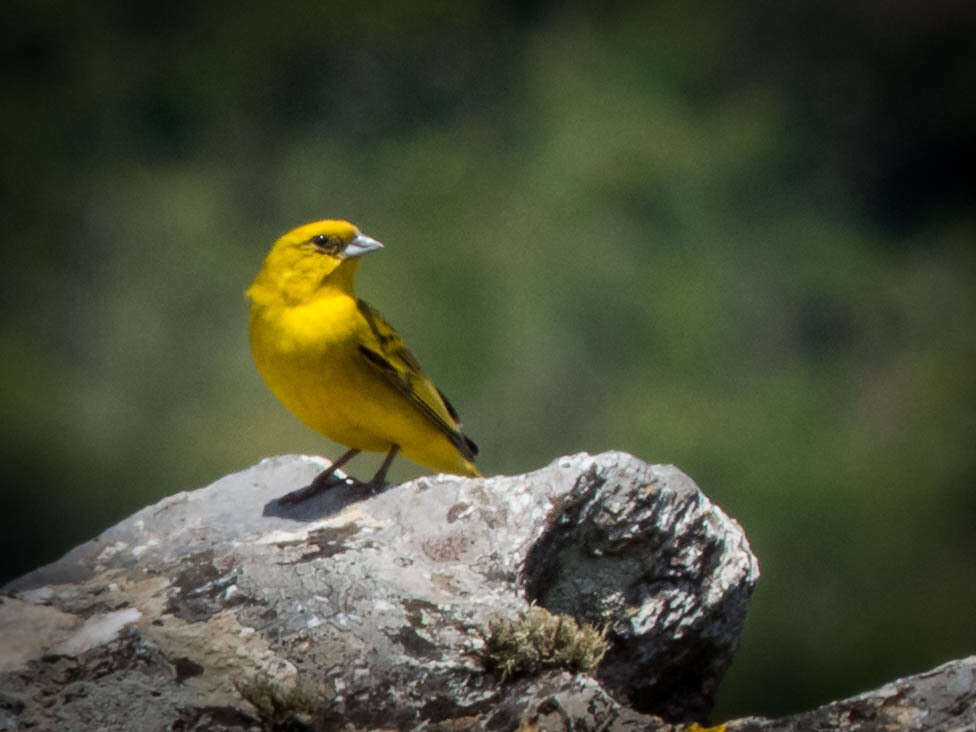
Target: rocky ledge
<point>224,608</point>
<point>597,593</point>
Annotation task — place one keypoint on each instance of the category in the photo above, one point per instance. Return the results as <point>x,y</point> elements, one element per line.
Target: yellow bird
<point>339,366</point>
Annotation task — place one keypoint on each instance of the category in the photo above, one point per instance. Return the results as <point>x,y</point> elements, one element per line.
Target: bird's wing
<point>388,354</point>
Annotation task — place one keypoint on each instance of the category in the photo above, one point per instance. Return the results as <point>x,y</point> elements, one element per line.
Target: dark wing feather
<point>402,371</point>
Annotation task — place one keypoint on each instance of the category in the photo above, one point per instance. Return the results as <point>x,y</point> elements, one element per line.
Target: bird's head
<point>313,256</point>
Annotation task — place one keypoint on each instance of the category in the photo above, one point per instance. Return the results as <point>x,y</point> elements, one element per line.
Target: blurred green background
<point>735,237</point>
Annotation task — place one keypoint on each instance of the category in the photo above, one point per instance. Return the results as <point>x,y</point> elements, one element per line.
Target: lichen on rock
<point>537,639</point>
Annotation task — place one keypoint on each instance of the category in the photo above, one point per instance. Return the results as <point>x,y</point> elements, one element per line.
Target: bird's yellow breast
<point>309,356</point>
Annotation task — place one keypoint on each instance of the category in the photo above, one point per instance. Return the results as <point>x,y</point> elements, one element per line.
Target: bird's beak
<point>360,245</point>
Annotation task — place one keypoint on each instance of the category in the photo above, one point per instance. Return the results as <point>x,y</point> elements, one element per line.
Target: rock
<point>222,608</point>
<point>941,699</point>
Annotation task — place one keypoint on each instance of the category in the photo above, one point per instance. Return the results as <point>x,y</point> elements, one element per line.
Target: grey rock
<point>222,608</point>
<point>943,698</point>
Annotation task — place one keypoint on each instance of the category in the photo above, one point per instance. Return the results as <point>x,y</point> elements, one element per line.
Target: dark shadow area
<point>324,504</point>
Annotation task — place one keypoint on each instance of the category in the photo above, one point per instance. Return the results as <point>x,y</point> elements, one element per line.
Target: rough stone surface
<point>941,699</point>
<point>222,608</point>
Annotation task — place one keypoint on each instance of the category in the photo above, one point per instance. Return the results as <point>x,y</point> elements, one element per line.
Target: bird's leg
<point>323,481</point>
<point>379,480</point>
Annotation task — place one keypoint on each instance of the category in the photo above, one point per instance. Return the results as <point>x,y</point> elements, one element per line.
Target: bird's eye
<point>323,242</point>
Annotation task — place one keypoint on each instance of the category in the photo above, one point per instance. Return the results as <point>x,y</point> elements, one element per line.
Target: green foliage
<point>737,239</point>
<point>539,640</point>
